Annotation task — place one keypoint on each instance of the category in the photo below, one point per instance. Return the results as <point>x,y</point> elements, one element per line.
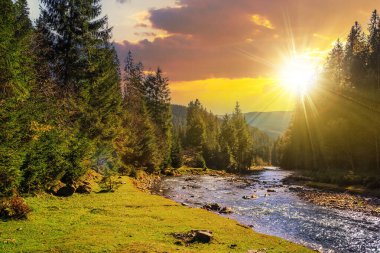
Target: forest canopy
<point>67,105</point>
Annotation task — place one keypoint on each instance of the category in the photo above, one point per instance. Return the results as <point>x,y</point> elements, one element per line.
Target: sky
<point>224,51</point>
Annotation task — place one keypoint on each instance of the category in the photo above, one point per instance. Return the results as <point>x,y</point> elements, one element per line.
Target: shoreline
<point>333,196</point>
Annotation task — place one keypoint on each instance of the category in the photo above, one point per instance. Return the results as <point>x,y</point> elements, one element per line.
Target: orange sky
<point>223,51</point>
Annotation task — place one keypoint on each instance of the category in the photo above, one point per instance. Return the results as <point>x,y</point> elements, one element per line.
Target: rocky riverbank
<point>342,201</point>
<point>334,196</point>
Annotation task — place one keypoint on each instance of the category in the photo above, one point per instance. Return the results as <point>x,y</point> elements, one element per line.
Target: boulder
<point>65,191</point>
<point>212,207</point>
<point>253,196</point>
<point>271,190</point>
<point>202,236</point>
<point>55,188</point>
<point>226,210</point>
<point>84,189</point>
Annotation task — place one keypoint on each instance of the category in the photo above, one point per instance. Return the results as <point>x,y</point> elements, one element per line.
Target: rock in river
<point>212,207</point>
<point>226,210</point>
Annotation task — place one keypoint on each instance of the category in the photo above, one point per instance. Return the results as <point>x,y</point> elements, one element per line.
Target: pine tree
<point>243,152</point>
<point>84,64</point>
<point>356,51</point>
<point>334,65</point>
<point>15,30</point>
<point>176,152</point>
<point>228,144</point>
<point>15,78</point>
<point>132,87</point>
<point>196,127</point>
<point>374,47</point>
<point>157,98</point>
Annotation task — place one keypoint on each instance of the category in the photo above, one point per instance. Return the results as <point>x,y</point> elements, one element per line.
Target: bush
<point>14,208</point>
<point>54,156</point>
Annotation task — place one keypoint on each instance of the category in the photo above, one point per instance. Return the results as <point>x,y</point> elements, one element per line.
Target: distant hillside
<point>272,123</point>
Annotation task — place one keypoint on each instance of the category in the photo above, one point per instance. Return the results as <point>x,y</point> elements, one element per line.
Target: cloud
<point>123,1</point>
<point>262,21</point>
<point>202,39</point>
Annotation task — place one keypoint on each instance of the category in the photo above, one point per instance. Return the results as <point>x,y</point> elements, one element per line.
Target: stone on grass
<point>202,236</point>
<point>65,191</point>
<point>84,189</point>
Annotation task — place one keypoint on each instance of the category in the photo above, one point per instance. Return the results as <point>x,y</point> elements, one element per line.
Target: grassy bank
<point>126,221</point>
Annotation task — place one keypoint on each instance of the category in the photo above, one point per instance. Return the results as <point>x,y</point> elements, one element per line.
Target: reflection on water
<point>281,213</point>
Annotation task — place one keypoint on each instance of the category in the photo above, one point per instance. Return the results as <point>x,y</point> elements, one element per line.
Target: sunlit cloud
<point>262,21</point>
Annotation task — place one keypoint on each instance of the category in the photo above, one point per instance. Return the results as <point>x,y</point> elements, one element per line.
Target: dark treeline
<point>66,106</point>
<point>227,142</point>
<point>335,134</point>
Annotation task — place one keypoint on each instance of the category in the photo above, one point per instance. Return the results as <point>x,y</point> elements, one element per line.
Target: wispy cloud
<point>262,21</point>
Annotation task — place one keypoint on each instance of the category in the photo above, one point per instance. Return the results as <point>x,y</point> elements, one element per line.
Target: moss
<point>126,221</point>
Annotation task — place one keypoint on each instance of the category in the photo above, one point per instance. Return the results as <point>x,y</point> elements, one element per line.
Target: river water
<point>281,213</point>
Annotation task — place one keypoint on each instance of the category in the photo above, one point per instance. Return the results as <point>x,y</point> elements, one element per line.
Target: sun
<point>298,75</point>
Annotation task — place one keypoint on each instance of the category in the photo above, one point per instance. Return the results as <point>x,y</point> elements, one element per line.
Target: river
<point>281,213</point>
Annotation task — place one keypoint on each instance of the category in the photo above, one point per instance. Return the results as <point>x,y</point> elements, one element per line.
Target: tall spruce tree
<point>228,144</point>
<point>196,127</point>
<point>356,51</point>
<point>374,48</point>
<point>334,65</point>
<point>157,98</point>
<point>84,64</point>
<point>243,152</point>
<point>15,81</point>
<point>138,142</point>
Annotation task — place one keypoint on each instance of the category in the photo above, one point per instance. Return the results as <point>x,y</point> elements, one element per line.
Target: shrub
<point>14,208</point>
<point>54,156</point>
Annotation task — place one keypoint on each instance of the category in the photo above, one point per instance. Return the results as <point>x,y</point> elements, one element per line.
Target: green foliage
<point>145,141</point>
<point>176,153</point>
<point>51,157</point>
<point>60,98</point>
<point>196,126</point>
<point>10,174</point>
<point>15,30</point>
<point>228,144</point>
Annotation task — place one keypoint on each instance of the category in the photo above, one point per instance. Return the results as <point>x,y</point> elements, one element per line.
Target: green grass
<point>125,221</point>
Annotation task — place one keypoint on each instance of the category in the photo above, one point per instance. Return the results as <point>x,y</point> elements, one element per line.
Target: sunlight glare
<point>298,75</point>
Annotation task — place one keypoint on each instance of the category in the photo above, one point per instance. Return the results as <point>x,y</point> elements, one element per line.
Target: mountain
<point>273,124</point>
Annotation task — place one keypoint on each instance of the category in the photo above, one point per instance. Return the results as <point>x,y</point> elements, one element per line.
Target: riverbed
<point>277,210</point>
